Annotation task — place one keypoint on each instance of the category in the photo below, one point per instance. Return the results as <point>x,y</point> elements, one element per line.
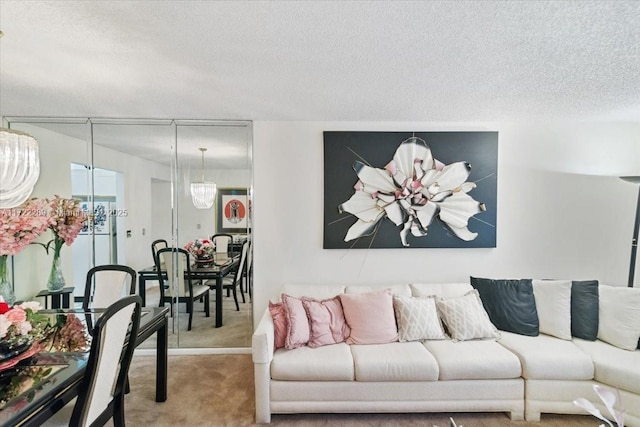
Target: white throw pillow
<point>466,318</point>
<point>417,319</point>
<point>553,303</point>
<point>619,312</point>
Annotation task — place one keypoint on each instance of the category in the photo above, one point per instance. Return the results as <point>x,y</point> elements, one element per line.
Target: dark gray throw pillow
<point>510,304</point>
<point>584,309</point>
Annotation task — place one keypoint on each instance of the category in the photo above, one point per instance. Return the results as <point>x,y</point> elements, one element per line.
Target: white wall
<point>556,218</point>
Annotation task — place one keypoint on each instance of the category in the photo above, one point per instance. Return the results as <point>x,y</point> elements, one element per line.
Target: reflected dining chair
<point>177,265</point>
<point>156,245</point>
<point>106,284</point>
<point>232,283</point>
<point>222,242</point>
<point>101,394</point>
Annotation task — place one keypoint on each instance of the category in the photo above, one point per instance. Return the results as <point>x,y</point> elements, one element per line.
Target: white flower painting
<point>415,192</point>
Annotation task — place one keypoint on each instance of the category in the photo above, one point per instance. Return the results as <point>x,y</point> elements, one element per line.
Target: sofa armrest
<point>263,340</point>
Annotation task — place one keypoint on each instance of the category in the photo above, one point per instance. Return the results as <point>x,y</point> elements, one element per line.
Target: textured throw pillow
<point>279,323</point>
<point>297,322</point>
<point>370,317</point>
<point>584,309</point>
<point>509,303</point>
<point>417,319</point>
<point>326,321</point>
<point>619,316</point>
<point>553,304</point>
<point>466,318</point>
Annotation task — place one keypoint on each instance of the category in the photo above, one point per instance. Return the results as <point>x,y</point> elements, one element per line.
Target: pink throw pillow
<point>370,317</point>
<point>326,321</point>
<point>279,323</point>
<point>297,322</point>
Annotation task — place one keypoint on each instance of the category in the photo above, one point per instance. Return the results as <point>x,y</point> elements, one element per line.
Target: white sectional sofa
<point>521,375</point>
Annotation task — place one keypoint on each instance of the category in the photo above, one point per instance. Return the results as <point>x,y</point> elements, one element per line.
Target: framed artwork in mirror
<point>231,210</point>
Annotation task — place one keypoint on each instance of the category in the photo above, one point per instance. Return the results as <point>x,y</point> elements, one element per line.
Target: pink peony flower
<point>16,315</point>
<point>22,225</point>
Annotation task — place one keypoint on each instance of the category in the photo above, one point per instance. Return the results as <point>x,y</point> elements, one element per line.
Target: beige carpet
<point>218,390</point>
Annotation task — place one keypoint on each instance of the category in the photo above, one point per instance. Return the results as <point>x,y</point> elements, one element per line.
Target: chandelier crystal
<point>203,192</point>
<point>19,167</point>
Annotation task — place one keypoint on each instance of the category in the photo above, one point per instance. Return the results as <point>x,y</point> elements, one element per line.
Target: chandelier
<point>19,167</point>
<point>203,192</point>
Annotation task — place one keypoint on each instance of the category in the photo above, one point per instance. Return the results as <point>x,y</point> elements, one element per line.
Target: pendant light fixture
<point>203,192</point>
<point>19,167</point>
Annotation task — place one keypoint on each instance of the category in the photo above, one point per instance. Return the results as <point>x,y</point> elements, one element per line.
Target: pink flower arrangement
<point>18,321</point>
<point>67,219</point>
<point>22,225</point>
<point>200,248</point>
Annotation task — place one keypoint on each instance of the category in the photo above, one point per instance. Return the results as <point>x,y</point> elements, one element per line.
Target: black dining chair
<point>175,262</point>
<point>232,283</point>
<point>156,245</point>
<point>105,284</point>
<point>223,243</point>
<point>102,390</point>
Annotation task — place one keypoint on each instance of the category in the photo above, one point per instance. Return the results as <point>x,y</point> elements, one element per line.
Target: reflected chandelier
<point>19,167</point>
<point>203,192</point>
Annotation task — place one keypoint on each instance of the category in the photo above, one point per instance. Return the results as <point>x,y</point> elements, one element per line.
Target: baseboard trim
<point>194,351</point>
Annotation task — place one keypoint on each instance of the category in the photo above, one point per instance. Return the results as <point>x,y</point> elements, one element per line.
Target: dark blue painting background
<point>480,149</point>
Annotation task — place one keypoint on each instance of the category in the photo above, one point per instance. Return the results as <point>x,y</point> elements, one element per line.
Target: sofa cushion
<point>298,331</point>
<point>465,317</point>
<point>619,322</point>
<point>328,363</point>
<point>584,309</point>
<point>408,361</point>
<point>326,321</point>
<point>442,290</point>
<point>417,319</point>
<point>613,366</point>
<point>313,291</point>
<point>474,360</point>
<point>509,303</point>
<point>279,323</point>
<point>548,358</point>
<point>553,304</point>
<point>403,290</point>
<point>370,317</point>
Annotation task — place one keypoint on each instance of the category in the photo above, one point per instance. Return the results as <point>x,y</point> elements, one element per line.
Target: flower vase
<point>56,280</point>
<point>6,290</point>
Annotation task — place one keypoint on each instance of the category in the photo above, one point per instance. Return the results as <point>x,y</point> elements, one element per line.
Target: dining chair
<point>105,284</point>
<point>101,394</point>
<point>222,242</point>
<point>156,245</point>
<point>177,265</point>
<point>232,283</point>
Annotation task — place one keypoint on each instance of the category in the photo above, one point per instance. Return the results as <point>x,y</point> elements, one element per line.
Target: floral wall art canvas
<point>410,189</point>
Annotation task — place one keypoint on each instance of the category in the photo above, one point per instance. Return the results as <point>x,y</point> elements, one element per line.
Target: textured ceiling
<point>269,60</point>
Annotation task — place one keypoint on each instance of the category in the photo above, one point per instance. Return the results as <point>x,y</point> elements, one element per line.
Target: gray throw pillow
<point>509,303</point>
<point>584,309</point>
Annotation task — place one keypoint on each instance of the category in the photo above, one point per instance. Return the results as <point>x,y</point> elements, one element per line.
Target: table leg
<point>65,300</point>
<point>55,301</point>
<point>162,353</point>
<point>142,289</point>
<point>218,301</point>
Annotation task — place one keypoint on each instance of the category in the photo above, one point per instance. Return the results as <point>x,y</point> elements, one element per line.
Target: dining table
<point>211,273</point>
<point>44,381</point>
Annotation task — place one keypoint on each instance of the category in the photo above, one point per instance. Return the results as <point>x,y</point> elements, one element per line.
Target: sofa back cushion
<point>619,322</point>
<point>553,304</point>
<point>318,292</point>
<point>402,290</point>
<point>584,309</point>
<point>509,303</point>
<point>370,317</point>
<point>442,290</point>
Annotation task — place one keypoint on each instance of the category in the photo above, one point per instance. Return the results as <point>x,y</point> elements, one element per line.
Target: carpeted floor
<point>218,390</point>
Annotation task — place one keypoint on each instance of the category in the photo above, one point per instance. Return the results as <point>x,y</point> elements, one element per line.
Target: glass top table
<point>39,385</point>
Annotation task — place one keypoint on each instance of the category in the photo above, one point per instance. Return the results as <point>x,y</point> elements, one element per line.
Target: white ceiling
<point>329,60</point>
